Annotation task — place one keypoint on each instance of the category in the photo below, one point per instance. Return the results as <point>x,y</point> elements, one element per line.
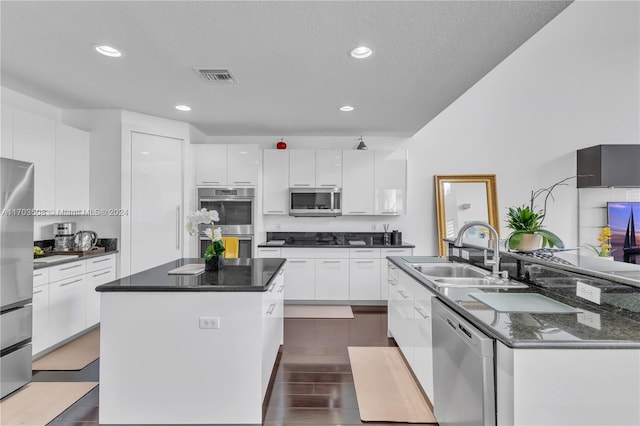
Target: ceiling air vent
<point>216,75</point>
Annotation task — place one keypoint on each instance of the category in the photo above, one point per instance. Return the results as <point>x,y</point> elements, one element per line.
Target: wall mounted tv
<point>624,221</point>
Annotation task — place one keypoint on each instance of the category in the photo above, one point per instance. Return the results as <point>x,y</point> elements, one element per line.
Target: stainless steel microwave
<point>315,201</point>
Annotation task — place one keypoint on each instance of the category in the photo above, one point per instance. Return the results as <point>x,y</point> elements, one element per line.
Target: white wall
<point>573,85</point>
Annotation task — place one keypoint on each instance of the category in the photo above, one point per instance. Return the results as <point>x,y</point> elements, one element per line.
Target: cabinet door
<point>94,279</point>
<point>300,279</point>
<point>302,168</point>
<point>67,307</point>
<point>357,182</point>
<point>328,168</point>
<point>390,181</point>
<point>41,337</point>
<point>404,336</point>
<point>243,165</point>
<point>156,201</point>
<point>72,168</point>
<point>332,279</point>
<point>423,345</point>
<point>384,266</point>
<point>275,181</point>
<point>364,279</point>
<point>6,132</point>
<point>211,164</point>
<point>34,141</point>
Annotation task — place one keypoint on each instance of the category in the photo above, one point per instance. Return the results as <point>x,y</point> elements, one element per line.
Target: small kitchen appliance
<point>85,240</point>
<point>64,236</point>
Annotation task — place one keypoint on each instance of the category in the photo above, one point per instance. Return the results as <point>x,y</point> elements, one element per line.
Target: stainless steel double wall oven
<point>236,208</point>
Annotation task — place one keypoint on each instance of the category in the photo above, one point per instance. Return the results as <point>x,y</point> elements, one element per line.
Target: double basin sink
<point>462,275</point>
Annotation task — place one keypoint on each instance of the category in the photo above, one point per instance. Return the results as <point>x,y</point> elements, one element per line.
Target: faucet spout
<point>495,261</point>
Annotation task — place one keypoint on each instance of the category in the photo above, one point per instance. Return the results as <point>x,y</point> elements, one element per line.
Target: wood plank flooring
<point>311,385</point>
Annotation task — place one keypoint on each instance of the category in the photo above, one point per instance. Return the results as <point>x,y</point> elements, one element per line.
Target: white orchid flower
<point>201,216</point>
<point>217,234</point>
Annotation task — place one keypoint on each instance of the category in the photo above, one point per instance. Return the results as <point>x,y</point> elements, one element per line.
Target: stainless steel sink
<point>485,282</point>
<point>449,270</point>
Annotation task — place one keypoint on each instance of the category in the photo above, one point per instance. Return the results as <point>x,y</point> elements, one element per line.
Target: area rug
<point>75,355</point>
<point>38,403</point>
<point>318,311</point>
<point>385,389</point>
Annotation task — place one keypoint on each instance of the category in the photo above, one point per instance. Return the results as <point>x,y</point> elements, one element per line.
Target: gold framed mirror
<point>463,198</point>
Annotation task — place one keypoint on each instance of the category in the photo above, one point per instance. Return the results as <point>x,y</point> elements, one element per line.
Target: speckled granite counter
<point>614,323</point>
<point>238,275</point>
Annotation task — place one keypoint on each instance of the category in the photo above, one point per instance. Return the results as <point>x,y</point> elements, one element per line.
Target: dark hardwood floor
<point>311,385</point>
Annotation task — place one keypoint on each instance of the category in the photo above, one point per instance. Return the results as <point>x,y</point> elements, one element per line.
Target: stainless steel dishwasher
<point>463,371</point>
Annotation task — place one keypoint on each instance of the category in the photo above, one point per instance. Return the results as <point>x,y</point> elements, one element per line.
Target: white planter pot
<point>530,242</point>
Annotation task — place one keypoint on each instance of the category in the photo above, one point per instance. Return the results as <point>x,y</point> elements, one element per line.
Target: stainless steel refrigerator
<point>16,273</point>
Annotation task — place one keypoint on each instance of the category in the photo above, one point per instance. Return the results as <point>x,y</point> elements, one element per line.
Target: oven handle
<point>225,199</point>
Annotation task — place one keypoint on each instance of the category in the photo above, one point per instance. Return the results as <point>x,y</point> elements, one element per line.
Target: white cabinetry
<point>243,165</point>
<point>34,141</point>
<point>211,164</point>
<point>390,182</point>
<point>72,168</point>
<point>332,279</point>
<point>67,301</point>
<point>301,279</point>
<point>384,265</point>
<point>227,165</point>
<point>409,319</point>
<point>328,168</point>
<point>156,165</point>
<point>100,270</point>
<point>275,181</point>
<point>272,326</point>
<point>40,336</point>
<point>302,168</point>
<point>364,274</point>
<point>357,182</point>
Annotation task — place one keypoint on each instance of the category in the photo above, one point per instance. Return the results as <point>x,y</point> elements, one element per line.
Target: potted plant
<point>526,222</point>
<point>213,254</point>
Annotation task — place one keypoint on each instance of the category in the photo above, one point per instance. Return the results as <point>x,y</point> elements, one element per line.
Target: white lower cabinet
<point>409,322</point>
<point>384,264</point>
<point>332,279</point>
<point>301,279</point>
<point>67,307</point>
<point>272,327</point>
<point>364,278</point>
<point>99,271</point>
<point>40,336</point>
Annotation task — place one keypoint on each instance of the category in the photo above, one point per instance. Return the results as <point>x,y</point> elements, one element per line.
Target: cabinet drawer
<point>101,262</point>
<point>395,252</point>
<point>364,253</point>
<point>40,277</point>
<point>66,270</point>
<point>269,252</point>
<point>313,253</point>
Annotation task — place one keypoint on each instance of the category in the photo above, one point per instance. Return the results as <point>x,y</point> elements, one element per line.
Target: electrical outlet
<point>455,252</point>
<point>589,318</point>
<point>209,322</point>
<point>465,254</point>
<point>588,292</point>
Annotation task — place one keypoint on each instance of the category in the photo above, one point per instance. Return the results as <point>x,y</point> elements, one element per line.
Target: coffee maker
<point>64,236</point>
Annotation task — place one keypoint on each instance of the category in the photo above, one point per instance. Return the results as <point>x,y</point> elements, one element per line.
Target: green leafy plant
<point>527,220</point>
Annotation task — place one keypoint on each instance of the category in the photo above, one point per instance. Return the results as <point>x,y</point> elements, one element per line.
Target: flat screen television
<point>624,221</point>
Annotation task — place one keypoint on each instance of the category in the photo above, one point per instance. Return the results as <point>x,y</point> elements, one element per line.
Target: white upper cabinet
<point>320,168</point>
<point>221,164</point>
<point>211,164</point>
<point>302,168</point>
<point>357,182</point>
<point>390,182</point>
<point>34,141</point>
<point>329,168</point>
<point>275,181</point>
<point>72,168</point>
<point>243,165</point>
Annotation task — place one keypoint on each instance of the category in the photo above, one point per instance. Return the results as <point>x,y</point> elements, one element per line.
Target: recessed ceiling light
<point>361,52</point>
<point>346,108</point>
<point>183,107</point>
<point>107,50</point>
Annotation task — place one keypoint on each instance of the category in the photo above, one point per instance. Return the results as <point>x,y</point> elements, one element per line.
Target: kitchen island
<point>190,348</point>
<point>574,360</point>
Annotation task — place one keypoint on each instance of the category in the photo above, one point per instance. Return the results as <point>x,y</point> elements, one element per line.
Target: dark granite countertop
<point>69,259</point>
<point>325,245</point>
<point>238,275</point>
<point>614,324</point>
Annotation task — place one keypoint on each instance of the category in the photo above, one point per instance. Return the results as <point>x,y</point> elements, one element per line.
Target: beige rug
<point>38,403</point>
<point>318,311</point>
<point>385,389</point>
<point>75,355</point>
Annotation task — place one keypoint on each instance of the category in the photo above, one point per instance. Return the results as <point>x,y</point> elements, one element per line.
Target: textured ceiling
<point>290,59</point>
